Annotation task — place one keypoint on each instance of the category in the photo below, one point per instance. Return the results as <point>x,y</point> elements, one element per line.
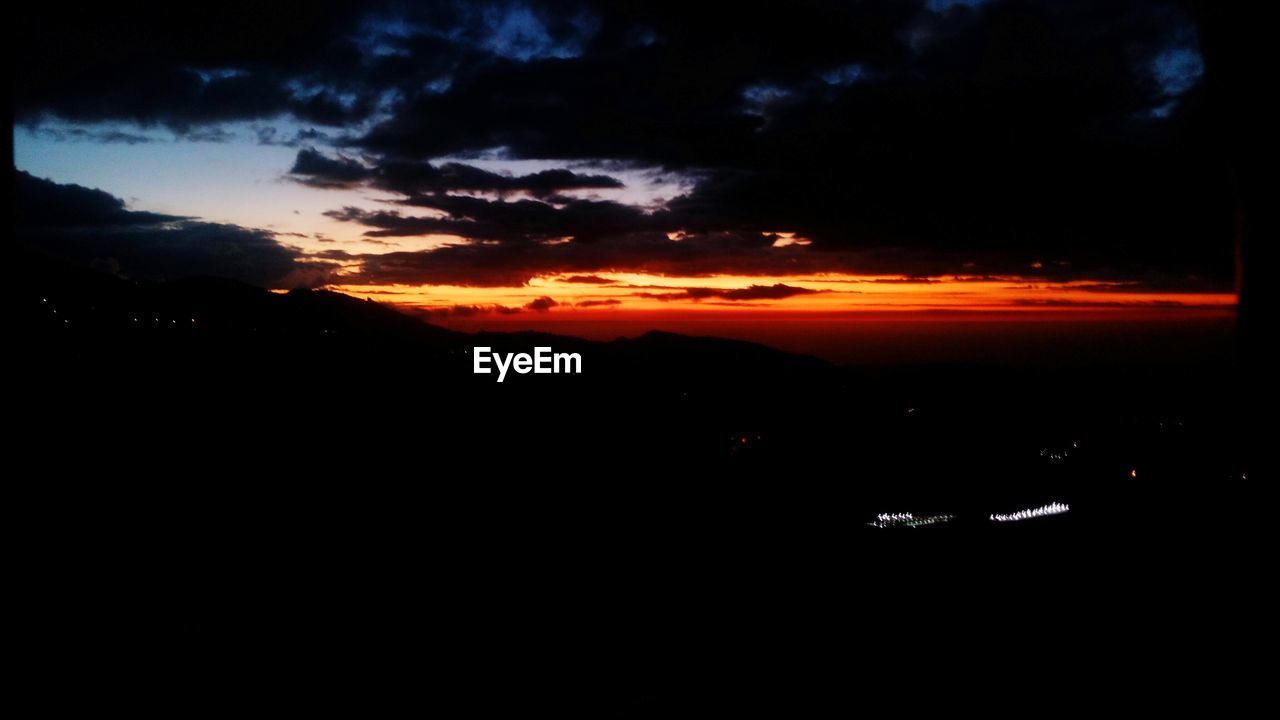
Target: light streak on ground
<point>887,520</point>
<point>1053,508</point>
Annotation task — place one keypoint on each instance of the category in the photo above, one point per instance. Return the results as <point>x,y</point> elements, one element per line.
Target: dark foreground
<point>211,412</point>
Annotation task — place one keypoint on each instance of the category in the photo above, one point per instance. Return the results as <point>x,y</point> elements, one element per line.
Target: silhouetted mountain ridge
<point>213,391</point>
<point>66,300</point>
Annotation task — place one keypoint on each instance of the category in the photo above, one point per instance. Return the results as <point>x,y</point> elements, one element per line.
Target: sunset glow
<point>333,283</point>
<point>834,293</point>
<point>535,180</point>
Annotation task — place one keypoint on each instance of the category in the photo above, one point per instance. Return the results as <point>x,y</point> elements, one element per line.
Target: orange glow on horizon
<point>843,318</point>
<point>612,295</point>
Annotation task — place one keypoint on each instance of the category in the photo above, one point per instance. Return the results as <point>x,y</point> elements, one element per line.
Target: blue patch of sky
<point>940,5</point>
<point>1177,69</point>
<point>439,85</point>
<point>845,75</point>
<point>515,32</point>
<point>761,97</point>
<point>209,75</point>
<point>240,181</point>
<point>512,30</point>
<point>381,35</point>
<point>765,94</point>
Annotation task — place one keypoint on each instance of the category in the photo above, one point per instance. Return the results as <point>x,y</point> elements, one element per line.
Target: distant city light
<point>1054,508</point>
<point>886,520</point>
<point>1055,456</point>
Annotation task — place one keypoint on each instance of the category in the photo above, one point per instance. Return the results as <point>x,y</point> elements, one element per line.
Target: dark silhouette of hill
<point>211,393</point>
<point>91,302</point>
<point>60,301</point>
<point>192,348</point>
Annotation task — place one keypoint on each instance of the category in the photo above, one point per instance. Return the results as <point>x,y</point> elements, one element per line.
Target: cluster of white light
<point>1053,508</point>
<point>885,520</point>
<point>1054,456</point>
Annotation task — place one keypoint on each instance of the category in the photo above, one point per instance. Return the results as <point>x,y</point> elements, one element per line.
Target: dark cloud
<point>420,178</point>
<point>777,291</point>
<point>512,221</point>
<point>270,135</point>
<point>462,311</point>
<point>423,181</point>
<point>93,228</point>
<point>998,135</point>
<point>206,134</point>
<point>982,138</point>
<point>104,136</point>
<point>587,279</point>
<point>139,62</point>
<point>318,170</point>
<point>660,82</point>
<point>46,204</point>
<point>495,264</point>
<point>905,281</point>
<point>608,302</point>
<point>541,304</point>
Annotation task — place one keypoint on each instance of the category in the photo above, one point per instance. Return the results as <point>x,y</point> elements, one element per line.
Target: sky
<point>614,167</point>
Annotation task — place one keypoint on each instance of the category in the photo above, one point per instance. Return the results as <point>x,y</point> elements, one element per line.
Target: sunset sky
<point>607,168</point>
